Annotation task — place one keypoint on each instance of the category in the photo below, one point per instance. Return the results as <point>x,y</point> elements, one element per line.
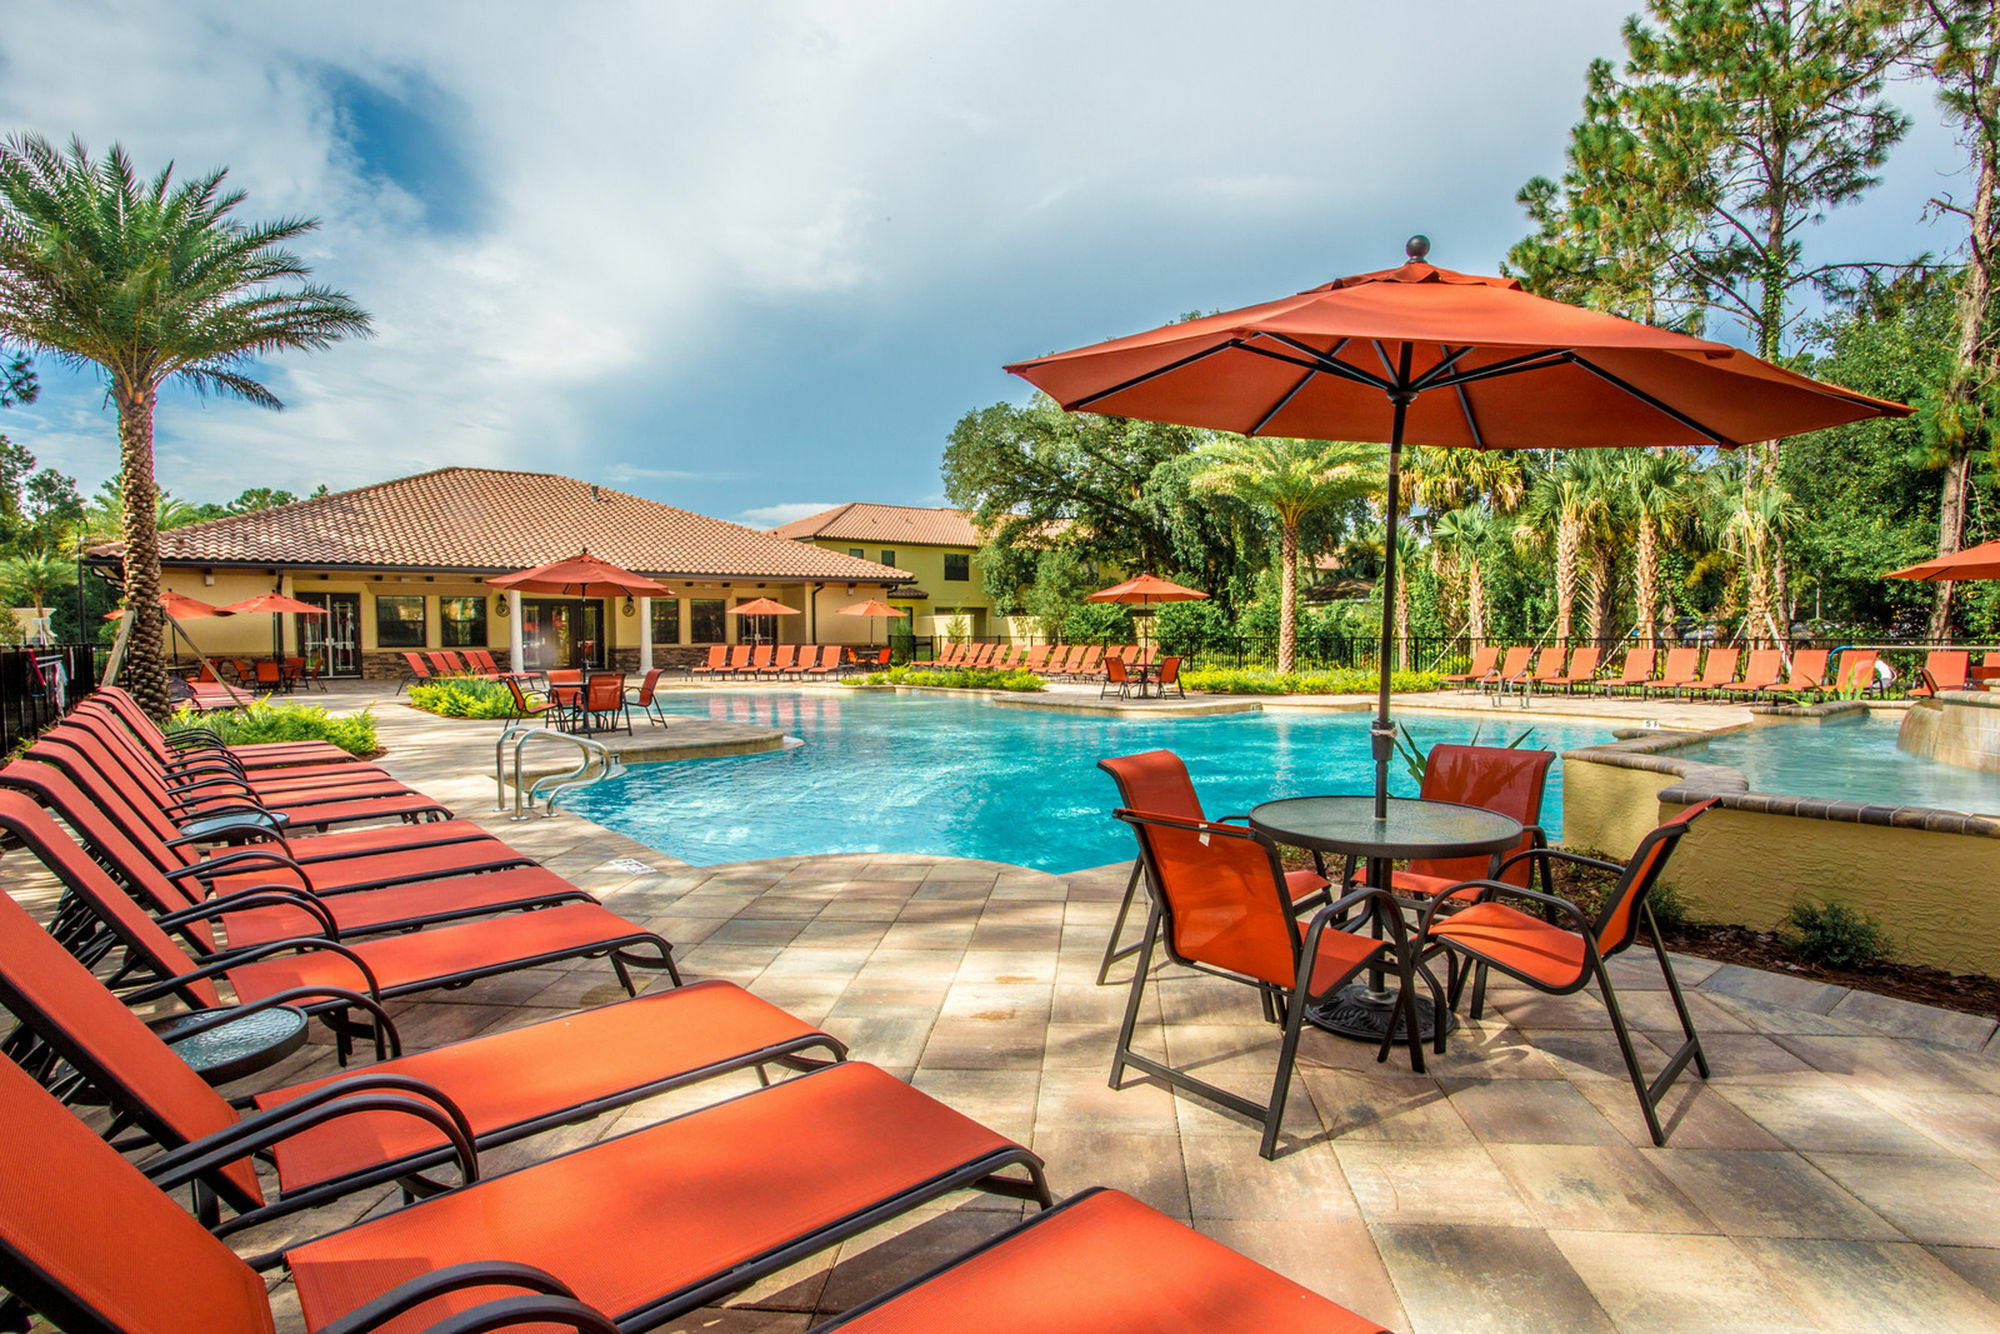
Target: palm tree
<point>1294,480</point>
<point>1467,531</point>
<point>1753,523</point>
<point>1657,492</point>
<point>31,579</point>
<point>150,282</point>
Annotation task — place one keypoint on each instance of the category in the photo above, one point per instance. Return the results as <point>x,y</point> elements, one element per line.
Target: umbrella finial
<point>1417,247</point>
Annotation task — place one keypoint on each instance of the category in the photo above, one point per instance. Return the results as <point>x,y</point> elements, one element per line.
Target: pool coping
<point>1701,780</point>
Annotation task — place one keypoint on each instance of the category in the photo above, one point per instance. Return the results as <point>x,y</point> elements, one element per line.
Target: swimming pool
<point>1849,758</point>
<point>884,772</point>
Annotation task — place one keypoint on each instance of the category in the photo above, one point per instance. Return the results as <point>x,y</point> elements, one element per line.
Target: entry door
<point>550,635</point>
<point>334,638</point>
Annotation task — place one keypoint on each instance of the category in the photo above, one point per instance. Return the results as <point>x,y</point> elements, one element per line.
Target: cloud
<point>699,249</point>
<point>770,516</point>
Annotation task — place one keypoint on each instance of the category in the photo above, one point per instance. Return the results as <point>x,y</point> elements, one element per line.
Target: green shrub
<point>1835,935</point>
<point>1338,681</point>
<point>977,678</point>
<point>464,697</point>
<point>264,722</point>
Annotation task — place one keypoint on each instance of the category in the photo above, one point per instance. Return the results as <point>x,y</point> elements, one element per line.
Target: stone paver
<point>1839,1172</point>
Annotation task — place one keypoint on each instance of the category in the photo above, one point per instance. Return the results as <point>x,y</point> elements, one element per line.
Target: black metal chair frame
<point>1562,911</point>
<point>1294,1000</point>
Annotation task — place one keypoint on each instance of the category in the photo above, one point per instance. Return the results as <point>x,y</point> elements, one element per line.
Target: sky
<point>757,259</point>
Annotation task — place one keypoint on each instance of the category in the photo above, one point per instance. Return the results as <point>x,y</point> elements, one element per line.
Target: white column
<point>516,656</point>
<point>645,635</point>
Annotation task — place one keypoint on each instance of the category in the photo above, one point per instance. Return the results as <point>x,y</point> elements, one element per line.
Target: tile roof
<point>485,520</point>
<point>860,521</point>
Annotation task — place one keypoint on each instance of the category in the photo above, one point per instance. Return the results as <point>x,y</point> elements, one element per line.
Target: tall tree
<point>1295,481</point>
<point>150,283</point>
<point>30,580</point>
<point>1468,532</point>
<point>1569,500</point>
<point>1656,486</point>
<point>1959,40</point>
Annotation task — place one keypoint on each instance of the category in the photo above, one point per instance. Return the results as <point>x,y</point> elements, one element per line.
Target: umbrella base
<point>1357,1012</point>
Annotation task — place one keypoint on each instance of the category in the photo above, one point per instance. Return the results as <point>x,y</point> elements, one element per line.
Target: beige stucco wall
<point>949,598</point>
<point>1937,894</point>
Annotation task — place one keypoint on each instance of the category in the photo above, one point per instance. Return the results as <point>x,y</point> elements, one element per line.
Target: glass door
<point>554,638</point>
<point>335,638</point>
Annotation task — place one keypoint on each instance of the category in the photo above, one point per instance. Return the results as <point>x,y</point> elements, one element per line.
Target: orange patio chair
<point>1157,781</point>
<point>739,660</point>
<point>120,705</point>
<point>270,676</point>
<point>1059,656</point>
<point>1169,678</point>
<point>1680,672</point>
<point>1037,659</point>
<point>1147,655</point>
<point>1116,682</point>
<point>1563,951</point>
<point>1222,905</point>
<point>1011,659</point>
<point>1808,671</point>
<point>1943,669</point>
<point>783,661</point>
<point>646,697</point>
<point>1511,782</point>
<point>761,656</point>
<point>1582,671</point>
<point>1765,669</point>
<point>103,1243</point>
<point>1717,672</point>
<point>1513,667</point>
<point>718,659</point>
<point>1633,675</point>
<point>585,1065</point>
<point>1548,666</point>
<point>1484,660</point>
<point>1857,671</point>
<point>1090,664</point>
<point>343,977</point>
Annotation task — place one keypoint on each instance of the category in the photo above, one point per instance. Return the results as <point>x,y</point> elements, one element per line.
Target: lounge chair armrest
<point>455,1278</point>
<point>184,791</point>
<point>262,896</point>
<point>260,1131</point>
<point>537,1310</point>
<point>263,859</point>
<point>1557,854</point>
<point>256,820</point>
<point>222,963</point>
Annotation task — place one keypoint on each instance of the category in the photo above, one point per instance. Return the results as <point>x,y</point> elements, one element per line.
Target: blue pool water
<point>1849,759</point>
<point>960,777</point>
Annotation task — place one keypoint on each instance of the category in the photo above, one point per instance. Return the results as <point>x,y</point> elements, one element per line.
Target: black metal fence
<point>38,685</point>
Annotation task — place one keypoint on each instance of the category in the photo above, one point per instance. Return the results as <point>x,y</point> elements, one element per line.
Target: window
<point>666,620</point>
<point>957,567</point>
<point>463,622</point>
<point>399,622</point>
<point>888,556</point>
<point>705,621</point>
<point>857,553</point>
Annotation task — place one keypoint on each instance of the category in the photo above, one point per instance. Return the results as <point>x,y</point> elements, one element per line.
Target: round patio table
<point>1347,826</point>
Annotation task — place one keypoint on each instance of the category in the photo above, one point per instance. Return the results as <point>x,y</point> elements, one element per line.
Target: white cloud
<point>698,226</point>
<point>770,516</point>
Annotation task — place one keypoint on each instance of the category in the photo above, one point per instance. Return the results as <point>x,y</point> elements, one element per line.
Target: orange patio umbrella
<point>179,606</point>
<point>276,604</point>
<point>874,607</point>
<point>581,576</point>
<point>1425,356</point>
<point>1980,562</point>
<point>763,607</point>
<point>1144,591</point>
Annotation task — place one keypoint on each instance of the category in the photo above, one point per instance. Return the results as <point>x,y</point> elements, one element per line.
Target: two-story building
<point>945,596</point>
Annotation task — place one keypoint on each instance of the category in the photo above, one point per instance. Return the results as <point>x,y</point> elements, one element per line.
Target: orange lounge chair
<point>1943,669</point>
<point>1636,671</point>
<point>483,663</point>
<point>1222,905</point>
<point>1147,655</point>
<point>1717,672</point>
<point>761,656</point>
<point>583,1065</point>
<point>1157,781</point>
<point>1808,671</point>
<point>103,1241</point>
<point>718,660</point>
<point>1856,673</point>
<point>1011,659</point>
<point>1766,667</point>
<point>343,977</point>
<point>1037,659</point>
<point>1090,664</point>
<point>420,671</point>
<point>1582,671</point>
<point>1548,665</point>
<point>1513,666</point>
<point>1484,660</point>
<point>828,663</point>
<point>1680,672</point>
<point>739,660</point>
<point>1059,659</point>
<point>115,703</point>
<point>1560,950</point>
<point>784,660</point>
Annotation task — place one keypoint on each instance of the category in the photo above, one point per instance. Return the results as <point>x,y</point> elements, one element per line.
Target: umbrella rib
<point>1527,361</point>
<point>1471,422</point>
<point>1284,402</point>
<point>1328,362</point>
<point>1443,368</point>
<point>1089,399</point>
<point>1714,437</point>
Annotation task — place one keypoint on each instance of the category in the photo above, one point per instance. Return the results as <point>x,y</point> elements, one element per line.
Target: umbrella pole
<point>1383,734</point>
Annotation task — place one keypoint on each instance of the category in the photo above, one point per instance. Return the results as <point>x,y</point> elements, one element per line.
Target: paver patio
<point>1833,1175</point>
